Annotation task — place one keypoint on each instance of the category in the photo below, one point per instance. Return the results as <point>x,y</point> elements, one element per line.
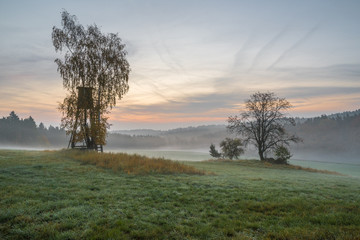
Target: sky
<point>193,62</point>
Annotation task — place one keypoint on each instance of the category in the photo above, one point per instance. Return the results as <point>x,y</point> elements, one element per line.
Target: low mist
<point>333,138</point>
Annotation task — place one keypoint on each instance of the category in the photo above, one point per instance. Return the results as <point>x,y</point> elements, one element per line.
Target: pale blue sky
<point>193,62</point>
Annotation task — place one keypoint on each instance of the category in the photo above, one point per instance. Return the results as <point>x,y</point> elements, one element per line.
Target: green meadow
<point>59,195</point>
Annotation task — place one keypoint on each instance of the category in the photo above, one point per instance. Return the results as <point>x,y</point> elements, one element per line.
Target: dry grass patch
<point>314,170</point>
<point>132,163</point>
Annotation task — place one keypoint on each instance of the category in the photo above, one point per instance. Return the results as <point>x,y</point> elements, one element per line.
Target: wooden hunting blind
<point>85,100</point>
<point>83,136</point>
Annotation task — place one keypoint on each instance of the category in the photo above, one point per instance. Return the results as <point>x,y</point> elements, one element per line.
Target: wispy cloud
<point>267,47</point>
<point>341,73</point>
<point>192,60</point>
<point>311,92</point>
<point>240,55</point>
<point>298,43</point>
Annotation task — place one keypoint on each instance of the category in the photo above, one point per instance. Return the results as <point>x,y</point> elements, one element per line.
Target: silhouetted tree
<point>13,123</point>
<point>13,117</point>
<point>29,123</point>
<point>262,124</point>
<point>42,127</point>
<point>95,60</point>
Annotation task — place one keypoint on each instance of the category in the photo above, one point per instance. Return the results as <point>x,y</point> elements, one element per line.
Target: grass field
<point>50,195</point>
<point>342,166</point>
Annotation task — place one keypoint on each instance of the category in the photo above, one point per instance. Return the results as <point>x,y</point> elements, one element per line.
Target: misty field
<point>342,165</point>
<point>51,195</point>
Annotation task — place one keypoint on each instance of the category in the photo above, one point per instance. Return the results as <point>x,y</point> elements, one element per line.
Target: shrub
<point>213,152</point>
<point>282,155</point>
<point>231,148</point>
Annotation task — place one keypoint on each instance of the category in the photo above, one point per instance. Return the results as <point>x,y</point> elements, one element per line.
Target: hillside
<point>335,137</point>
<point>48,196</point>
<point>181,138</point>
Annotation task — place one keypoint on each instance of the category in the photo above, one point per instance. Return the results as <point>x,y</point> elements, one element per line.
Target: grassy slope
<point>44,195</point>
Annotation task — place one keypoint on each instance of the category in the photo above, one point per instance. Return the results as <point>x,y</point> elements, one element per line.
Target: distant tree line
<point>179,138</point>
<point>25,132</point>
<point>326,136</point>
<point>333,134</point>
<point>123,141</point>
<point>323,136</point>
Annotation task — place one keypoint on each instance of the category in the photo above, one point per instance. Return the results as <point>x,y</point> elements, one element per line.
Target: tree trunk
<point>261,154</point>
<point>99,118</point>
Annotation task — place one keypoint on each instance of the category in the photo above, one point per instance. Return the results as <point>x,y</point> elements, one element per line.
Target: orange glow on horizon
<point>164,118</point>
<point>319,105</point>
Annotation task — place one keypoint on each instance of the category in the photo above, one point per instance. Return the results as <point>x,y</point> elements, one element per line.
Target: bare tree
<point>263,123</point>
<point>95,61</point>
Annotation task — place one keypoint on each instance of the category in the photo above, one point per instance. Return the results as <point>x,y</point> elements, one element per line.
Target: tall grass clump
<point>132,163</point>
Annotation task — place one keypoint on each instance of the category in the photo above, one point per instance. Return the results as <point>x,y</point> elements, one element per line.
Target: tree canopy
<point>263,123</point>
<point>231,148</point>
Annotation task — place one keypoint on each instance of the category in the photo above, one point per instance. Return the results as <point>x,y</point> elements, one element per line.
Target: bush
<point>282,155</point>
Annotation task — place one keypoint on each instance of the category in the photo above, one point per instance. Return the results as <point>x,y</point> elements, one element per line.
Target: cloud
<point>266,47</point>
<point>239,57</point>
<point>342,73</point>
<point>209,107</point>
<point>312,92</point>
<point>298,43</point>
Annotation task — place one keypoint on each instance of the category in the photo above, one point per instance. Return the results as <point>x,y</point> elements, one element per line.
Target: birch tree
<point>93,60</point>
